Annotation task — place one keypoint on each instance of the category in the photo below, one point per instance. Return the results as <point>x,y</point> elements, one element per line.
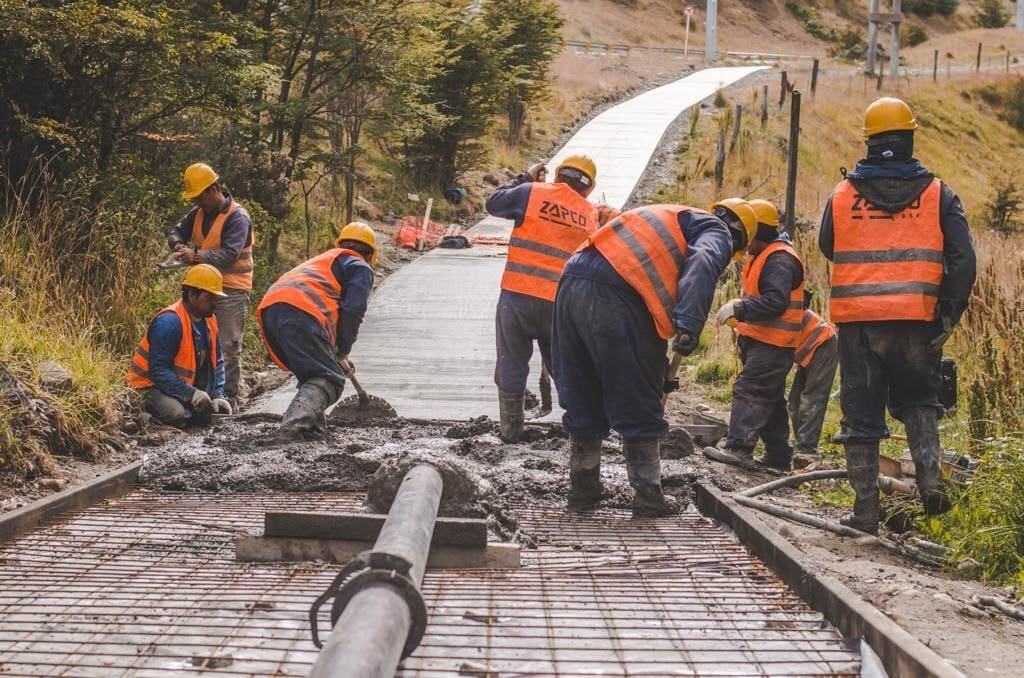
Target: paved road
<point>427,344</point>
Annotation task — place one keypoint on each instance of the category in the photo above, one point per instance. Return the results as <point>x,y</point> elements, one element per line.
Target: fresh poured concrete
<point>427,343</point>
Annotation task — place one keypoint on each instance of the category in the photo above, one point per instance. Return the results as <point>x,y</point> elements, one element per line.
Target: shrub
<point>1003,207</point>
<point>915,35</point>
<point>991,14</point>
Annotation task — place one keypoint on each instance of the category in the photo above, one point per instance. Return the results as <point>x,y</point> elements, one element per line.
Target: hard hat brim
<point>189,195</point>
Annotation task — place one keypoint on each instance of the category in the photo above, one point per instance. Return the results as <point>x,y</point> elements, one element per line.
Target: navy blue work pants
<point>519,321</point>
<point>302,344</point>
<point>759,400</point>
<point>608,360</point>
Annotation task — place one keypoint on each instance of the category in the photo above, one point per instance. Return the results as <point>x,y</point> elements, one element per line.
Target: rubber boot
<point>926,450</point>
<point>510,411</point>
<point>643,467</point>
<point>862,470</point>
<point>733,457</point>
<point>306,417</point>
<point>584,473</point>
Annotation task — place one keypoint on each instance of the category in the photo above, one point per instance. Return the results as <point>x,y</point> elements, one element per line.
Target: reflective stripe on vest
<point>557,220</point>
<point>239,275</point>
<point>815,333</point>
<point>887,266</point>
<point>647,248</point>
<point>783,331</point>
<point>184,364</point>
<point>310,287</point>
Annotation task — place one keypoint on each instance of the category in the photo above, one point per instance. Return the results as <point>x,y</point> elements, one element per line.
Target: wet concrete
<point>427,344</point>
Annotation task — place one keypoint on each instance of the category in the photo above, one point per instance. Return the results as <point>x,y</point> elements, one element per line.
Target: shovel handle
<point>673,370</point>
<point>350,372</point>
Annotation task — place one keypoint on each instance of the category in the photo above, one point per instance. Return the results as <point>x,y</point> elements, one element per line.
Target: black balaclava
<point>891,146</point>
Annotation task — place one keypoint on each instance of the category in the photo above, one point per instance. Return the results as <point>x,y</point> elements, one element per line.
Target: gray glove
<point>201,401</point>
<point>222,406</point>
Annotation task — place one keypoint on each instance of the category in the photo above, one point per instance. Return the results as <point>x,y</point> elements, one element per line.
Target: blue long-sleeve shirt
<point>510,200</point>
<point>235,234</point>
<point>164,336</point>
<point>709,248</point>
<point>356,279</point>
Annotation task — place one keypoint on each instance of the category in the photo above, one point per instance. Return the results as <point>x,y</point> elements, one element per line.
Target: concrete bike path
<point>427,343</point>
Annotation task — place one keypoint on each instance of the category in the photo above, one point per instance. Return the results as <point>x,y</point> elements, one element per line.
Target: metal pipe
<point>368,639</point>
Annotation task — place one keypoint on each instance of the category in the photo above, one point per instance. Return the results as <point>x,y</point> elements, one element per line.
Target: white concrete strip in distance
<point>427,343</point>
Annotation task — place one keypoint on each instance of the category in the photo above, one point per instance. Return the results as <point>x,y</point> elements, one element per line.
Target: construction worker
<point>221,231</point>
<point>646,277</point>
<point>178,366</point>
<point>768,319</point>
<point>904,268</point>
<point>551,221</point>
<point>309,319</point>
<point>816,357</point>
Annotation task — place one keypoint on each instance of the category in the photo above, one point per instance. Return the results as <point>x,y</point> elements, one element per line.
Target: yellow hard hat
<point>198,177</point>
<point>359,232</point>
<point>766,212</point>
<point>581,163</point>
<point>205,277</point>
<point>745,213</point>
<point>888,115</point>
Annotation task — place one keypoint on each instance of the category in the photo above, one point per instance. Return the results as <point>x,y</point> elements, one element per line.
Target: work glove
<point>222,406</point>
<point>684,343</point>
<point>537,173</point>
<point>201,401</point>
<point>945,322</point>
<point>727,311</point>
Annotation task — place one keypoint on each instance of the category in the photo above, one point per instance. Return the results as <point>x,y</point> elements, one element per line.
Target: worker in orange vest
<point>816,358</point>
<point>222,234</point>
<point>646,277</point>
<point>178,367</point>
<point>904,268</point>
<point>309,320</point>
<point>551,220</point>
<point>768,319</point>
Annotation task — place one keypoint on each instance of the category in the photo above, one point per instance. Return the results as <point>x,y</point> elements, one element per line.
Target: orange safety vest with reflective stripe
<point>886,266</point>
<point>310,287</point>
<point>184,360</point>
<point>239,276</point>
<point>783,331</point>
<point>816,331</point>
<point>647,248</point>
<point>557,220</point>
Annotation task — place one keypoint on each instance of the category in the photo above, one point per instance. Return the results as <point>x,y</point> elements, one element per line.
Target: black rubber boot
<point>926,450</point>
<point>512,417</point>
<point>305,417</point>
<point>584,474</point>
<point>643,466</point>
<point>733,457</point>
<point>862,470</point>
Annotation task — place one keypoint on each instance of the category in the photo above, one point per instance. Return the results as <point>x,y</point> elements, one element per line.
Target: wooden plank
<point>366,527</point>
<point>250,548</point>
<point>117,483</point>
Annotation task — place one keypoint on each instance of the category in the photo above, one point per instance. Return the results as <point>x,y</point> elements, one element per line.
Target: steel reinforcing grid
<point>148,584</point>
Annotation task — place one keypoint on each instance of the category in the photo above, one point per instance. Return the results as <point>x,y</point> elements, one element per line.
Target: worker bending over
<point>646,277</point>
<point>551,221</point>
<point>816,358</point>
<point>904,267</point>
<point>309,320</point>
<point>768,319</point>
<point>178,366</point>
<point>223,234</point>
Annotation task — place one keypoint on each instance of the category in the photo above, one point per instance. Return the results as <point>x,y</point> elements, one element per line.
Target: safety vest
<point>557,220</point>
<point>886,266</point>
<point>184,360</point>
<point>783,331</point>
<point>310,287</point>
<point>647,248</point>
<point>239,275</point>
<point>816,331</point>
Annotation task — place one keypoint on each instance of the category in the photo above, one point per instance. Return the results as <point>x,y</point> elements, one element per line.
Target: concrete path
<point>427,344</point>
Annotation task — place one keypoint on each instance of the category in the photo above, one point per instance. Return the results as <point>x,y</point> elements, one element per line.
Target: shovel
<point>350,373</point>
<point>670,375</point>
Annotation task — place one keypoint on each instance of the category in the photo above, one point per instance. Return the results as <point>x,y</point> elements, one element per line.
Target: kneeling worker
<point>769,319</point>
<point>646,277</point>
<point>309,320</point>
<point>178,365</point>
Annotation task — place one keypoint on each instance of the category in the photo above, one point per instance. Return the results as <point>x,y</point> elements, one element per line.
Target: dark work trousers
<point>809,394</point>
<point>519,321</point>
<point>608,361</point>
<point>301,343</point>
<point>759,400</point>
<point>885,363</point>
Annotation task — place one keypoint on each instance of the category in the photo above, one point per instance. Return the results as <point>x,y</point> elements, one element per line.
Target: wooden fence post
<point>935,67</point>
<point>977,66</point>
<point>814,77</point>
<point>782,89</point>
<point>720,162</point>
<point>737,121</point>
<point>794,149</point>
<point>764,106</point>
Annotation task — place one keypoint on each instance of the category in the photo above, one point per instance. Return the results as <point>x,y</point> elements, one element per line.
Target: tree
<point>531,30</point>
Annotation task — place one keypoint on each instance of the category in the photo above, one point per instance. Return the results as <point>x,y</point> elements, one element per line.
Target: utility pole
<point>1020,16</point>
<point>876,20</point>
<point>711,33</point>
<point>688,11</point>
